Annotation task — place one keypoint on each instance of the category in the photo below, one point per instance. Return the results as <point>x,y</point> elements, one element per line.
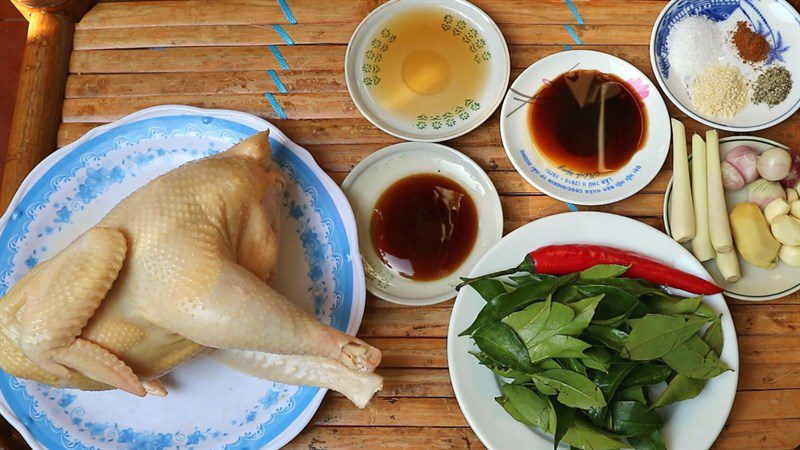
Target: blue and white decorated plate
<point>209,405</point>
<point>776,20</point>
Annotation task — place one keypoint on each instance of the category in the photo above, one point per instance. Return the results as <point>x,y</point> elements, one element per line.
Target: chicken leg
<point>177,269</point>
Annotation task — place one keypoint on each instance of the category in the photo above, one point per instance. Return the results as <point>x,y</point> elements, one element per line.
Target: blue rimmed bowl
<point>776,20</point>
<point>209,405</point>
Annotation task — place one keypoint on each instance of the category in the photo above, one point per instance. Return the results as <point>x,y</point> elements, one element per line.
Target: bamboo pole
<point>37,111</point>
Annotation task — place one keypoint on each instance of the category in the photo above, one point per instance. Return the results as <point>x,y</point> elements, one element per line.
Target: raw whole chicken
<point>179,268</point>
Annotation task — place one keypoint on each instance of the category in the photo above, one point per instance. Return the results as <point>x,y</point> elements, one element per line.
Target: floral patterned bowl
<point>209,405</point>
<point>776,20</point>
<point>371,42</point>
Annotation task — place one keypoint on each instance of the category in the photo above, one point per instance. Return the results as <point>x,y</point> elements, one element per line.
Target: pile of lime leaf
<point>577,353</point>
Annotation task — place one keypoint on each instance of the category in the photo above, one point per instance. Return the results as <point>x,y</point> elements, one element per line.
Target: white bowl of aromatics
<point>427,70</point>
<point>730,65</point>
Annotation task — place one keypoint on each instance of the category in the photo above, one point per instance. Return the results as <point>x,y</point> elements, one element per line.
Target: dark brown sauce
<point>566,118</point>
<point>424,226</point>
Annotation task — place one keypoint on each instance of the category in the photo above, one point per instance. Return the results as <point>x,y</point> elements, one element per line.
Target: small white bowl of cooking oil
<point>426,70</point>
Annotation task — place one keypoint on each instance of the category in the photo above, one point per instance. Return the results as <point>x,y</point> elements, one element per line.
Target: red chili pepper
<point>564,259</point>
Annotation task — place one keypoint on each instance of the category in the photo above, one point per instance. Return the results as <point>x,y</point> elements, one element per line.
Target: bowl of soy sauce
<point>585,127</point>
<point>425,214</point>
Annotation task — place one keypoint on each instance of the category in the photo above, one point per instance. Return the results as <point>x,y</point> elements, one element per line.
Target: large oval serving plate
<point>691,424</point>
<point>776,20</point>
<point>209,405</point>
<point>757,284</point>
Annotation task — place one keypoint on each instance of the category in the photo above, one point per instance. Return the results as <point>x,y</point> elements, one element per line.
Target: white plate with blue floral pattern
<point>776,20</point>
<point>209,405</point>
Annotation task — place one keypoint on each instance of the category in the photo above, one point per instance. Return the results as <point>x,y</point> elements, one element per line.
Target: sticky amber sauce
<point>588,121</point>
<point>424,226</point>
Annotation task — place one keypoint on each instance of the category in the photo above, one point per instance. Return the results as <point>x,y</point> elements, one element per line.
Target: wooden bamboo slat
<point>385,437</point>
<point>130,55</point>
<point>310,57</point>
<point>332,33</point>
<point>751,434</point>
<point>244,12</point>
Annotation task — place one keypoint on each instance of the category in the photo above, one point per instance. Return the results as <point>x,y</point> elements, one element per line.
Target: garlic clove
<point>790,255</point>
<point>775,208</point>
<point>794,208</point>
<point>791,195</point>
<point>786,230</point>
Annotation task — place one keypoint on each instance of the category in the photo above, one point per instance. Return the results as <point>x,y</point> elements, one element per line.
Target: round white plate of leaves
<point>776,20</point>
<point>757,284</point>
<point>560,182</point>
<point>687,424</point>
<point>209,405</point>
<point>463,93</point>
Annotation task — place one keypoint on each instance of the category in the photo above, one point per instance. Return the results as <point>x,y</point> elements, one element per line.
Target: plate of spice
<point>425,213</point>
<point>731,64</point>
<point>585,127</point>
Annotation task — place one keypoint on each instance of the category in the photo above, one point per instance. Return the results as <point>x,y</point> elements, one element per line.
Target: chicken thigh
<point>179,268</point>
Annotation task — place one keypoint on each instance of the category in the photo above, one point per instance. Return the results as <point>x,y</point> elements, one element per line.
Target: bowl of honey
<point>585,127</point>
<point>425,215</point>
<point>426,70</point>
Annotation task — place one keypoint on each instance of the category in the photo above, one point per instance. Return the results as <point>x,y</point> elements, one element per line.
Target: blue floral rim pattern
<point>28,409</point>
<point>717,11</point>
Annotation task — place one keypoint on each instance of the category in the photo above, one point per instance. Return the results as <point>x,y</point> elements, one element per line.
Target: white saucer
<point>479,32</point>
<point>757,284</point>
<point>562,183</point>
<point>364,186</point>
<point>690,424</point>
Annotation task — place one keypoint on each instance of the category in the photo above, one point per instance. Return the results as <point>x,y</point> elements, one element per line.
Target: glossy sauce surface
<point>424,226</point>
<point>588,121</point>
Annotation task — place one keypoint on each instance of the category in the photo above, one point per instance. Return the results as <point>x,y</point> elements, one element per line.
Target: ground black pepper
<point>772,86</point>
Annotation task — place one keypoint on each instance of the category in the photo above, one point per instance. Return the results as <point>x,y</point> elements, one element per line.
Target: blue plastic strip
<point>287,12</point>
<point>275,105</point>
<point>574,35</point>
<point>567,47</point>
<point>277,54</point>
<point>574,10</point>
<point>278,83</point>
<point>571,207</point>
<point>283,34</point>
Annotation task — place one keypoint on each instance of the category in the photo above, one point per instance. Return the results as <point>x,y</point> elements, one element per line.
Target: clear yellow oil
<point>427,70</point>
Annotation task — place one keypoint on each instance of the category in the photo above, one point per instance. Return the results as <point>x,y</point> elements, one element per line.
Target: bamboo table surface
<point>215,54</point>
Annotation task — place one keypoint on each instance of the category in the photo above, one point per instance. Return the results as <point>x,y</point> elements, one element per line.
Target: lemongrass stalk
<point>701,243</point>
<point>681,208</point>
<point>718,224</point>
<point>728,265</point>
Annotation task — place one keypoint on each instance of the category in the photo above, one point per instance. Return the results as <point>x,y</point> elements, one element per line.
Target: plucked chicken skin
<point>179,268</point>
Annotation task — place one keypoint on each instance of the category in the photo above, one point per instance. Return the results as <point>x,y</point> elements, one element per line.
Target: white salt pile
<point>696,43</point>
